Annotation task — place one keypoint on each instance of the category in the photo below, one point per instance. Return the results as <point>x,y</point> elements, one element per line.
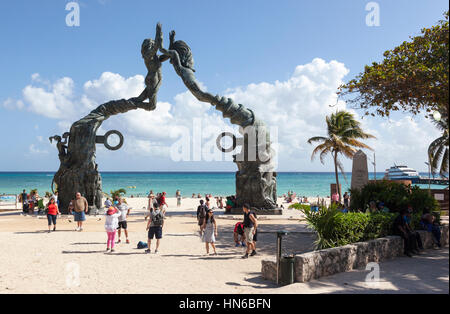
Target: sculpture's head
<point>57,138</point>
<point>185,53</point>
<point>147,45</point>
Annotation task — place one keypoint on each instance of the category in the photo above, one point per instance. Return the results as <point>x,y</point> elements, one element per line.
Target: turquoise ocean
<point>216,183</point>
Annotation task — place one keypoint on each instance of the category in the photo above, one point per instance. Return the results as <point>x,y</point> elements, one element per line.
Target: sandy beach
<point>66,261</point>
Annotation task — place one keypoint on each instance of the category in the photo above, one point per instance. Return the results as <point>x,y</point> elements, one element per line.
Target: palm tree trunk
<point>338,188</point>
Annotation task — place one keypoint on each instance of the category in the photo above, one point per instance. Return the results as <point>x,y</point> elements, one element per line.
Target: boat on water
<point>401,173</point>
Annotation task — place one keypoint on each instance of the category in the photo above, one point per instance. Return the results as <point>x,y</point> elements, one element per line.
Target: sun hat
<point>111,211</point>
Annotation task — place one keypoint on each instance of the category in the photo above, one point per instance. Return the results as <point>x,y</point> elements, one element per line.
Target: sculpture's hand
<point>172,37</point>
<point>159,35</point>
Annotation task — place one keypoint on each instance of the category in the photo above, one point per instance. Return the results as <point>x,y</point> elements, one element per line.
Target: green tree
<point>438,149</point>
<point>117,193</point>
<point>343,134</point>
<point>413,77</point>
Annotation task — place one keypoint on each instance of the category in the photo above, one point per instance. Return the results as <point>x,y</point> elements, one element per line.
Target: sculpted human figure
<point>153,62</point>
<point>181,58</point>
<point>256,179</point>
<point>61,145</point>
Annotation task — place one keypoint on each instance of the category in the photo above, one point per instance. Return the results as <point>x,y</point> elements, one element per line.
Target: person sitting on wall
<point>428,223</point>
<point>416,236</point>
<point>401,229</point>
<point>383,208</point>
<point>372,207</point>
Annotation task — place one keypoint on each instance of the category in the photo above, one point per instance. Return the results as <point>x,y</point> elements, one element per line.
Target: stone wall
<point>317,264</point>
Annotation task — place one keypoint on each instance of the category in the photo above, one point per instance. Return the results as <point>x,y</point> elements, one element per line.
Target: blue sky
<point>235,44</point>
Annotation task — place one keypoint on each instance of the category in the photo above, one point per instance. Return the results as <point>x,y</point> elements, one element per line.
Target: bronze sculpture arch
<point>78,171</point>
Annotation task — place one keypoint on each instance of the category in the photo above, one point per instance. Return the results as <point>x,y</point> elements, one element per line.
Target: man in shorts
<point>124,212</point>
<point>80,207</point>
<point>154,227</point>
<point>250,225</point>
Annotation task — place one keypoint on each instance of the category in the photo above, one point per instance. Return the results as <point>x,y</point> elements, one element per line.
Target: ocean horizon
<point>139,183</point>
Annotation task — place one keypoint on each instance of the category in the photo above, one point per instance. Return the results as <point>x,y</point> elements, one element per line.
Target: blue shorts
<point>79,216</point>
<point>51,219</point>
<point>155,232</point>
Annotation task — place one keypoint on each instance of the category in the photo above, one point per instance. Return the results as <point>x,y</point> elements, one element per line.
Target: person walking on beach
<point>80,207</point>
<point>52,213</point>
<point>162,201</point>
<point>124,212</point>
<point>346,200</point>
<point>111,225</point>
<point>154,228</point>
<point>24,199</point>
<point>201,214</point>
<point>250,225</point>
<point>178,196</point>
<point>55,196</point>
<point>210,231</point>
<point>152,204</point>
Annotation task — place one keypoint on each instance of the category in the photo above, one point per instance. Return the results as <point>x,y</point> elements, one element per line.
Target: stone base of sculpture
<point>257,211</point>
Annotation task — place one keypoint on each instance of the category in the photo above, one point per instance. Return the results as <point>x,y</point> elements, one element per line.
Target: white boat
<point>401,173</point>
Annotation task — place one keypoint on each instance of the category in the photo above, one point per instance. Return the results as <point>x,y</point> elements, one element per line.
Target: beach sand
<point>66,261</point>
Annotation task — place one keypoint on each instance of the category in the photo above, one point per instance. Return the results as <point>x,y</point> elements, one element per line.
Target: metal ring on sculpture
<point>104,140</point>
<point>219,145</point>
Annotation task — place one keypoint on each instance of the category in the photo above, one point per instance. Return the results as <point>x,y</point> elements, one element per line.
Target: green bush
<point>300,206</point>
<point>380,225</point>
<point>396,196</point>
<point>335,228</point>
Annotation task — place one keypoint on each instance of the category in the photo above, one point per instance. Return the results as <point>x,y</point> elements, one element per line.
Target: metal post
<point>278,257</point>
<point>280,234</point>
<point>429,176</point>
<point>374,166</point>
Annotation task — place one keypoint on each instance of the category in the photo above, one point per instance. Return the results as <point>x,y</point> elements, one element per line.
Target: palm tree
<point>438,149</point>
<point>343,134</point>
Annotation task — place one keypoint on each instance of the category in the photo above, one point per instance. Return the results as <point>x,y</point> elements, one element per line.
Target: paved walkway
<point>428,273</point>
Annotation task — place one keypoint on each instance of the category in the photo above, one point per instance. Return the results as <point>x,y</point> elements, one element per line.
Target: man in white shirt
<point>124,211</point>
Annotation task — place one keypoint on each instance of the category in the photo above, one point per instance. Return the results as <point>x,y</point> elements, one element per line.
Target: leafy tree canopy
<point>413,77</point>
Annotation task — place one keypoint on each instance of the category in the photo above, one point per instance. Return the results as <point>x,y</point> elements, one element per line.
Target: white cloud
<point>35,150</point>
<point>112,86</point>
<point>12,104</point>
<point>54,102</point>
<point>297,107</point>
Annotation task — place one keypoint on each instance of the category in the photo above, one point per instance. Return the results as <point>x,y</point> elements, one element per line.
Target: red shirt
<point>52,209</point>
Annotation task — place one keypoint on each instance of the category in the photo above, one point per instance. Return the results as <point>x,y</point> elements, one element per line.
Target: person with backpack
<point>238,234</point>
<point>201,214</point>
<point>210,234</point>
<point>250,225</point>
<point>154,228</point>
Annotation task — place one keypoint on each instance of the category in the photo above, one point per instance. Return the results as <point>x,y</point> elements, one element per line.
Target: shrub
<point>380,225</point>
<point>335,228</point>
<point>396,196</point>
<point>300,206</point>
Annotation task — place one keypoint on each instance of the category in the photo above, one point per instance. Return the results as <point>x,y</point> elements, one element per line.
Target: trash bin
<point>286,270</point>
